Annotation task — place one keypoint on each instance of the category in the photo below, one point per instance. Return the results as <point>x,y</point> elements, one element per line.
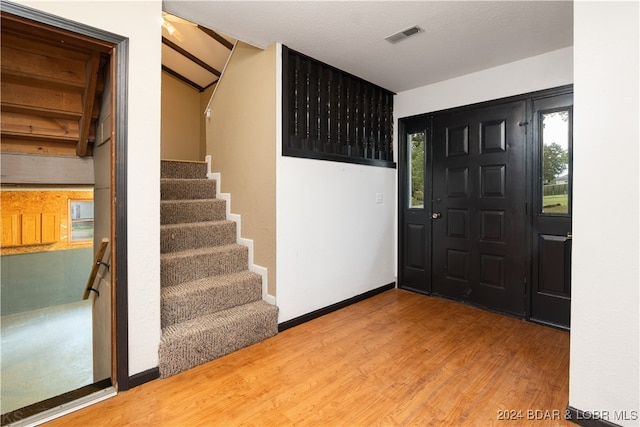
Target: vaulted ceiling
<point>459,37</point>
<point>193,53</point>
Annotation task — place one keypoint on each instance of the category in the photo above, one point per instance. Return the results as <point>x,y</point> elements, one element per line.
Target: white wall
<point>140,22</point>
<point>333,240</point>
<point>540,72</point>
<point>605,331</point>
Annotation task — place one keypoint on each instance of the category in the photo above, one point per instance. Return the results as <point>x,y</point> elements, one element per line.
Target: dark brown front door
<point>479,206</point>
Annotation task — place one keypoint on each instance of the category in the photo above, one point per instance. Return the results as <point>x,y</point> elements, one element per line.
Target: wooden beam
<point>42,70</point>
<point>217,37</point>
<point>33,146</point>
<point>190,57</point>
<point>26,42</point>
<point>88,101</point>
<point>41,98</point>
<point>29,126</point>
<point>39,81</point>
<point>38,111</point>
<point>52,35</point>
<point>182,78</point>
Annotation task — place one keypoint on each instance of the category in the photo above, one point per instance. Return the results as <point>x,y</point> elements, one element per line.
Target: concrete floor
<point>45,353</point>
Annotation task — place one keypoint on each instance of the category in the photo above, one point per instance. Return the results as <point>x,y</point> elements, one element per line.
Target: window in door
<point>415,151</point>
<point>556,170</point>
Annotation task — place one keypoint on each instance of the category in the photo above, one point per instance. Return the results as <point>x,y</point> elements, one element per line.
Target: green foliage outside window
<point>416,148</point>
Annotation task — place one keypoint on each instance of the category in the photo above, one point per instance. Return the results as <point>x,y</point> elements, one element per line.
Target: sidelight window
<point>416,169</point>
<point>556,165</point>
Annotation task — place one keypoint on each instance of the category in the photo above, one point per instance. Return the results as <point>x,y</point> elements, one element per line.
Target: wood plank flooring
<point>395,359</point>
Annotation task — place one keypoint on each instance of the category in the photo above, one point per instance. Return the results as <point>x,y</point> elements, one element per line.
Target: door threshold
<point>15,419</point>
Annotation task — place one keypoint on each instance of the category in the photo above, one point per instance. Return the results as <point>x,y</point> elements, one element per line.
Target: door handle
<point>569,236</point>
<point>436,215</point>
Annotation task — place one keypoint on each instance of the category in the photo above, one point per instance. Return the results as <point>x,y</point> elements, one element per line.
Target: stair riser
<point>194,236</point>
<point>215,341</point>
<point>211,305</point>
<point>184,189</point>
<point>198,302</point>
<point>186,170</point>
<point>179,212</point>
<point>180,269</point>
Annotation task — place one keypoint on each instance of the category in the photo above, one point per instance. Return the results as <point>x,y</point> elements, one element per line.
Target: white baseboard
<point>258,269</point>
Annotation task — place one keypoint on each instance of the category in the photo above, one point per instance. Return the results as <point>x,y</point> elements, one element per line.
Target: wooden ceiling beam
<point>182,78</point>
<point>92,69</point>
<point>217,37</point>
<point>190,56</point>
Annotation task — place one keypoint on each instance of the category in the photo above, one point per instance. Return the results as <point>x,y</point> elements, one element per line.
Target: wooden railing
<point>330,114</point>
<point>94,269</point>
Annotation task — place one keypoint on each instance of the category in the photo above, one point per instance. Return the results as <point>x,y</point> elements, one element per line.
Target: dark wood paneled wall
<point>332,115</point>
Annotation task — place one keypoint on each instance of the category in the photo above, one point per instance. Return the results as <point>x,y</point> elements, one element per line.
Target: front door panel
<point>553,146</point>
<point>415,201</point>
<point>479,206</point>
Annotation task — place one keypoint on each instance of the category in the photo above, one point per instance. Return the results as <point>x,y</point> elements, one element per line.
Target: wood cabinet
<point>10,227</point>
<point>30,228</point>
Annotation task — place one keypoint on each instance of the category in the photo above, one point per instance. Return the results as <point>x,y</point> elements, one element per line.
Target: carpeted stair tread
<point>193,264</point>
<point>185,301</point>
<point>188,344</point>
<point>183,169</point>
<point>185,211</point>
<point>210,303</point>
<point>179,237</point>
<point>186,189</point>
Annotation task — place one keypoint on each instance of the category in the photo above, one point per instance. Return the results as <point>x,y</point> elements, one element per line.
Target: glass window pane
<point>415,149</point>
<point>81,220</point>
<point>555,162</point>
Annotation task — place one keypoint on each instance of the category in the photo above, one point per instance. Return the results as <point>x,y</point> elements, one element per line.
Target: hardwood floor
<point>395,359</point>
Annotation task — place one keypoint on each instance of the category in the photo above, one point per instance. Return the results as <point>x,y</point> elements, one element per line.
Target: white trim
<point>66,408</point>
<point>262,271</point>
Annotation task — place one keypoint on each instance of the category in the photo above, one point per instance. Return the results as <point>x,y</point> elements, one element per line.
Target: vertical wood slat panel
<point>332,112</point>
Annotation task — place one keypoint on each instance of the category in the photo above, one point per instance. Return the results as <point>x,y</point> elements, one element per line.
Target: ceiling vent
<point>395,38</point>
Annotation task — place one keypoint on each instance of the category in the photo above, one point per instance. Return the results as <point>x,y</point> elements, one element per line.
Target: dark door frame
<point>120,375</point>
<point>424,121</point>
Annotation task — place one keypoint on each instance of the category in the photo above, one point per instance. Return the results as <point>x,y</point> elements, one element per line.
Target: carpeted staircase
<point>211,304</point>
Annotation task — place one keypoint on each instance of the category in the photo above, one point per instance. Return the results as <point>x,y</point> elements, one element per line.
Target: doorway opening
<point>63,162</point>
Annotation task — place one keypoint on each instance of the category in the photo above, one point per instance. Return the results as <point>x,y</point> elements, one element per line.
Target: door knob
<point>436,215</point>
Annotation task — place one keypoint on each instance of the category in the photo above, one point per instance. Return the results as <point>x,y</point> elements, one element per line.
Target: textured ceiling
<point>459,37</point>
